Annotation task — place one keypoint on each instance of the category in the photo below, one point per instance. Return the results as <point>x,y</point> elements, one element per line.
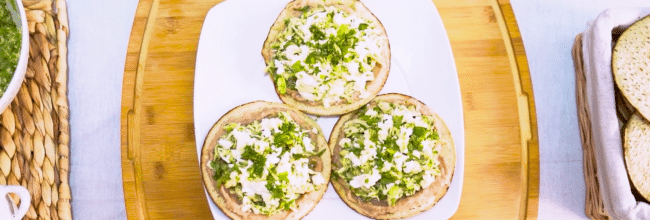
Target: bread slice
<point>246,114</point>
<point>408,206</point>
<point>381,69</point>
<point>637,153</point>
<point>631,65</point>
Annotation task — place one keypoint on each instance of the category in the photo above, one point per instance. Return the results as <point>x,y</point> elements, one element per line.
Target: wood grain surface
<point>159,162</point>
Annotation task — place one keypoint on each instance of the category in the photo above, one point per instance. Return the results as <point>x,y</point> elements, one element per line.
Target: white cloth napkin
<point>597,54</point>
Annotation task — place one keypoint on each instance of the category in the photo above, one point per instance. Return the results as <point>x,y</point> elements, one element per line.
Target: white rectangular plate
<point>230,72</point>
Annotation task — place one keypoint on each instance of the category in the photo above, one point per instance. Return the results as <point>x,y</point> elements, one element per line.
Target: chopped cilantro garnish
<point>389,143</point>
<point>221,171</point>
<point>363,26</point>
<point>297,67</point>
<point>331,48</point>
<point>260,154</point>
<point>258,160</point>
<point>304,9</point>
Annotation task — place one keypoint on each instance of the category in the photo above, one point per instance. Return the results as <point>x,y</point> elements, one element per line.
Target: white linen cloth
<point>548,29</point>
<point>99,35</point>
<point>597,55</point>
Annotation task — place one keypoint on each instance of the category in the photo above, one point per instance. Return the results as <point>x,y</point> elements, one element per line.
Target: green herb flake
<point>303,9</point>
<point>363,26</point>
<point>282,85</point>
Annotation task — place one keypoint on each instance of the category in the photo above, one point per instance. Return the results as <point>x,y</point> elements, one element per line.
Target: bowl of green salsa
<point>14,49</point>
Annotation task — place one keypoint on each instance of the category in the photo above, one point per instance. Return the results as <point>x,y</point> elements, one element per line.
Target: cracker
<point>631,65</point>
<point>637,153</point>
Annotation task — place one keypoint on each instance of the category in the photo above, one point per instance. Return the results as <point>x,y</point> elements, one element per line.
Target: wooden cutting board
<point>159,162</point>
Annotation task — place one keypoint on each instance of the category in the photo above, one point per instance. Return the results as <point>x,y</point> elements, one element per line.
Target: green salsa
<point>10,42</point>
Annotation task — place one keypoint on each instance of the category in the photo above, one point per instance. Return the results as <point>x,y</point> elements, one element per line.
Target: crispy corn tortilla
<point>631,65</point>
<point>406,206</point>
<point>292,97</point>
<point>636,146</point>
<point>246,114</point>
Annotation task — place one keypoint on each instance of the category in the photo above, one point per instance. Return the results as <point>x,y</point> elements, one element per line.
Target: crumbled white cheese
<point>270,202</point>
<point>305,30</point>
<point>345,142</point>
<point>306,84</point>
<point>260,146</point>
<point>370,44</point>
<point>233,180</point>
<point>236,154</point>
<point>337,88</point>
<point>384,126</point>
<point>330,32</point>
<point>271,124</point>
<point>406,131</point>
<point>266,133</point>
<point>412,166</point>
<point>272,159</point>
<point>399,159</point>
<point>365,180</point>
<point>296,54</point>
<point>327,101</point>
<point>353,67</point>
<point>300,176</point>
<point>427,148</point>
<point>402,142</point>
<point>340,19</point>
<point>255,188</point>
<point>390,185</point>
<point>225,143</point>
<point>403,138</point>
<point>359,81</point>
<point>307,95</point>
<point>246,204</point>
<point>280,67</point>
<point>370,152</point>
<point>317,179</point>
<point>307,142</point>
<point>419,122</point>
<point>361,50</point>
<point>371,113</point>
<point>292,51</point>
<point>387,167</point>
<point>416,153</point>
<point>297,149</point>
<point>284,165</point>
<point>243,138</point>
<point>355,160</point>
<point>355,21</point>
<point>427,178</point>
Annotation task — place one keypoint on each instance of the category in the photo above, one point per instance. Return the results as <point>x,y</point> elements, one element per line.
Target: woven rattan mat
<point>34,130</point>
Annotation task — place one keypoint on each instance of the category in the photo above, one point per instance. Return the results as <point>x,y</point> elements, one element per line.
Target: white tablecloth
<point>99,34</point>
<point>548,28</point>
<point>98,40</point>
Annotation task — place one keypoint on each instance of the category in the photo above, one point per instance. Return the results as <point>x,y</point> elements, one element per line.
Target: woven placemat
<point>35,130</point>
